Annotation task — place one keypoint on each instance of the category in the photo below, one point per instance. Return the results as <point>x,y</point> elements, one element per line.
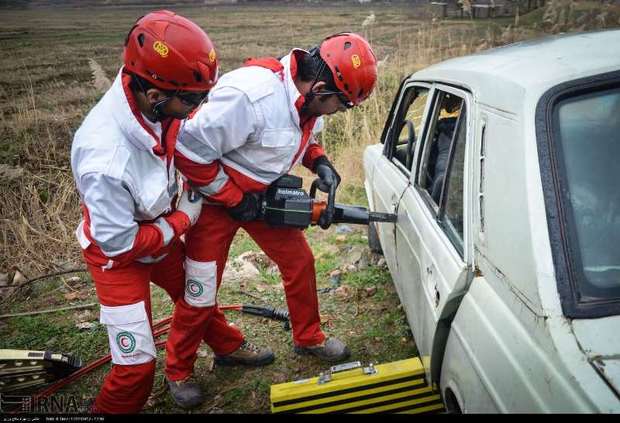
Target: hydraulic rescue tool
<point>285,203</point>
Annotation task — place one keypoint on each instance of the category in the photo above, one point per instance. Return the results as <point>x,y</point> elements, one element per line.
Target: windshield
<point>588,128</point>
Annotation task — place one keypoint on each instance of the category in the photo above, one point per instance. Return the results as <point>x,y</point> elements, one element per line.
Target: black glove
<point>325,220</point>
<point>248,209</point>
<point>327,173</point>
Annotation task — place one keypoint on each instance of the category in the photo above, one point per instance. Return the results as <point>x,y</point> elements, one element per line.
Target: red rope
<point>160,328</point>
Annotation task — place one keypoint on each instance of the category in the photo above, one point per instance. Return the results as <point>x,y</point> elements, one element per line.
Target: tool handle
<point>313,187</point>
<point>345,366</point>
<point>331,202</point>
<point>325,377</point>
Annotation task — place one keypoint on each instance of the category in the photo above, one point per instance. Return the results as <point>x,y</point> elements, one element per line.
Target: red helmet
<point>171,52</point>
<point>352,63</point>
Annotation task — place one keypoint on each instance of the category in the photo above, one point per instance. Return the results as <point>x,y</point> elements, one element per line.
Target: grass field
<point>55,65</point>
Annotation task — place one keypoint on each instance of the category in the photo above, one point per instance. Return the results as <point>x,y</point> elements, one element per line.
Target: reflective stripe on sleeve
<point>151,259</point>
<point>166,230</point>
<point>191,153</point>
<point>216,185</point>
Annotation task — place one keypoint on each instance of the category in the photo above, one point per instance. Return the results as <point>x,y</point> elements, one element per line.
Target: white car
<point>504,170</point>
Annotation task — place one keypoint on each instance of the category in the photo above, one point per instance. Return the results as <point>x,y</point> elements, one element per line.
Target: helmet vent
<point>338,73</point>
<point>141,40</point>
<point>346,87</point>
<point>197,76</point>
<point>347,45</point>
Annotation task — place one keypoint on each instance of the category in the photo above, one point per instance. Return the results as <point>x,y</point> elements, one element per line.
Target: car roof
<point>502,77</point>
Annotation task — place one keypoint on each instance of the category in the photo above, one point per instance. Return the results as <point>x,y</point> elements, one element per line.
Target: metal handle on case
<point>325,377</point>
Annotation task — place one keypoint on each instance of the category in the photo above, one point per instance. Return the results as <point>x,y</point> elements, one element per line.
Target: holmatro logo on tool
<point>194,288</point>
<point>126,342</point>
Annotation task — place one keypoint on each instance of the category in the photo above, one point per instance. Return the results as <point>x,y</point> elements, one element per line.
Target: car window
<point>408,125</point>
<point>434,161</point>
<point>442,164</point>
<point>452,218</point>
<point>587,129</point>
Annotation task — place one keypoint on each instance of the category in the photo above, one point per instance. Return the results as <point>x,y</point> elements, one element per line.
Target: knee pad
<point>200,283</point>
<point>129,333</point>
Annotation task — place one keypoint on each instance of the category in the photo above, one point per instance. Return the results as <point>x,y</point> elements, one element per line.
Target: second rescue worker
<point>259,123</point>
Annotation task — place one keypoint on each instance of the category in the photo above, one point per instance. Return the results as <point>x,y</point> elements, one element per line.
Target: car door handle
<point>394,201</point>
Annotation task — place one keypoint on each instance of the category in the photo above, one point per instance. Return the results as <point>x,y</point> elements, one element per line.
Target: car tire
<point>373,239</point>
<point>451,403</point>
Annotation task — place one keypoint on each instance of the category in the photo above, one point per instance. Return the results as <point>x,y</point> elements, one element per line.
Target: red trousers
<point>127,386</point>
<point>207,243</point>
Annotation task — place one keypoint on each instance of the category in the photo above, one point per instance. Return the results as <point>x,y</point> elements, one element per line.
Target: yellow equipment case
<point>396,387</point>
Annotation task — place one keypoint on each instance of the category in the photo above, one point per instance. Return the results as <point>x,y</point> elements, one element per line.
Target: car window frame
<point>390,117</point>
<point>421,153</point>
<point>389,136</point>
<point>554,197</point>
<point>444,192</point>
<point>438,210</point>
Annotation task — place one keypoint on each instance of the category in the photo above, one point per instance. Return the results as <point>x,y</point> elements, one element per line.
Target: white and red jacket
<point>125,176</point>
<point>248,134</point>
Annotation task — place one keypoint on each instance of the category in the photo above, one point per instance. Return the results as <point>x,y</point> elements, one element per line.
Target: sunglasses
<point>343,99</point>
<point>192,99</point>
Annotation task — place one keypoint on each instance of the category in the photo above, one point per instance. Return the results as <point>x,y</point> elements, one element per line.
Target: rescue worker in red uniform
<point>259,122</point>
<point>122,158</point>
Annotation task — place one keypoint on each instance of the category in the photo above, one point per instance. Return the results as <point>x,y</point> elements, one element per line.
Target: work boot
<point>331,350</point>
<point>247,354</point>
<point>186,393</point>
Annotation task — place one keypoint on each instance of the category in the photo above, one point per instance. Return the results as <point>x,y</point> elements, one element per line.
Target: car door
<point>432,230</point>
<point>391,174</point>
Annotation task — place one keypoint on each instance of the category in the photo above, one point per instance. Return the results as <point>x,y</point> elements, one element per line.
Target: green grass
<point>374,327</point>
